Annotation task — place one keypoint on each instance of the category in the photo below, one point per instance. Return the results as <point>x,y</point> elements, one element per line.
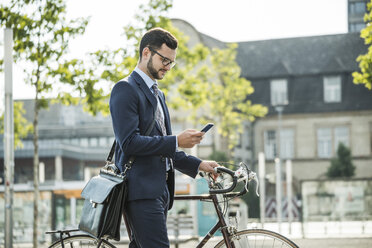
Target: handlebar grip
<point>234,182</point>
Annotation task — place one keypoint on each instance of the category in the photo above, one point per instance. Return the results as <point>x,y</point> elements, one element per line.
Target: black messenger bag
<point>104,203</point>
<point>105,197</point>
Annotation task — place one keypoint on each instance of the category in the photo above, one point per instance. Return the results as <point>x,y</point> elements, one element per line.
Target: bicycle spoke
<point>258,238</point>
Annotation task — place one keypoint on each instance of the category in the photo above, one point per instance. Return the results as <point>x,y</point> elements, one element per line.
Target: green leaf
<point>364,76</point>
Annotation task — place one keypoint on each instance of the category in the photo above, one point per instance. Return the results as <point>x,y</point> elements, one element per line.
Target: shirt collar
<point>149,82</point>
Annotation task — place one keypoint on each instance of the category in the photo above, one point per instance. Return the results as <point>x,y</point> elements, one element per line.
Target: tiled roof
<point>300,56</point>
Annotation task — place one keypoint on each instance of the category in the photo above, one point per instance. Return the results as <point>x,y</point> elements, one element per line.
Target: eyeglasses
<point>164,60</point>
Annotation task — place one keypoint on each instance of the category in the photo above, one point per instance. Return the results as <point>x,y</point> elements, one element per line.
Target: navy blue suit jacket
<point>132,107</point>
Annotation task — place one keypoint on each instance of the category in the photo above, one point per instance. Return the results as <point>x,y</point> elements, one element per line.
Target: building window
<point>370,135</point>
<point>68,116</point>
<point>357,8</point>
<point>93,141</point>
<point>332,89</point>
<point>84,142</point>
<point>286,144</point>
<point>324,142</point>
<point>248,139</point>
<point>278,88</point>
<point>240,142</point>
<point>341,135</point>
<point>103,141</point>
<point>356,27</point>
<point>75,141</point>
<point>270,144</point>
<point>329,139</point>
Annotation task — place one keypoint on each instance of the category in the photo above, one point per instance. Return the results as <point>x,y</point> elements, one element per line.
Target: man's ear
<point>146,53</point>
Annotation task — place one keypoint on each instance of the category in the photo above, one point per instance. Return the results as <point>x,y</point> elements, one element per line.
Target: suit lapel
<point>145,89</point>
<point>166,113</point>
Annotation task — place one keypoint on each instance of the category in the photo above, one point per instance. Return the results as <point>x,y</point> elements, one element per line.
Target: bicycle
<point>224,187</point>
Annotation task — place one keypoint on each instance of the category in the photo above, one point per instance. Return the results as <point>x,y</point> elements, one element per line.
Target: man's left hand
<point>208,166</point>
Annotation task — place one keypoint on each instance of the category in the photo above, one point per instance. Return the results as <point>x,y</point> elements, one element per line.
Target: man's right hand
<point>189,138</point>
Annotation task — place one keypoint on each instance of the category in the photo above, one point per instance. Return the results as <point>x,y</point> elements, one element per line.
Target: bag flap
<point>98,188</point>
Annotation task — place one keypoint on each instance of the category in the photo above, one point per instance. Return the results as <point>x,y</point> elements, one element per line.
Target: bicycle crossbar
<point>193,197</point>
<point>203,196</point>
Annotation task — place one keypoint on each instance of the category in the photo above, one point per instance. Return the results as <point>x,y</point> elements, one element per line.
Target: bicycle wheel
<point>81,241</point>
<point>258,238</point>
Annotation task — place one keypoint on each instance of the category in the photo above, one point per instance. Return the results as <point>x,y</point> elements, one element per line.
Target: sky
<point>228,21</point>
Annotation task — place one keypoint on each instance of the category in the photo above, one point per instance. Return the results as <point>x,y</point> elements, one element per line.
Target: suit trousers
<point>147,220</point>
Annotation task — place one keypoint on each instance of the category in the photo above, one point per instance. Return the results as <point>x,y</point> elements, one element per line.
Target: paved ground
<point>302,243</point>
<point>335,242</point>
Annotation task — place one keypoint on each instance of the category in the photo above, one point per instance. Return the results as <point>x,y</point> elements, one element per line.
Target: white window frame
<point>270,146</point>
<point>328,139</point>
<point>341,135</point>
<point>324,140</point>
<point>279,92</point>
<point>332,89</point>
<point>286,143</point>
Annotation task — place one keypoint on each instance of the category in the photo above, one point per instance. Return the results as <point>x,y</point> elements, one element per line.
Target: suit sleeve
<point>124,108</point>
<point>187,164</point>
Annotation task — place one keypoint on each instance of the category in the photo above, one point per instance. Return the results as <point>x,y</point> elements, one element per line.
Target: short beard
<point>150,67</point>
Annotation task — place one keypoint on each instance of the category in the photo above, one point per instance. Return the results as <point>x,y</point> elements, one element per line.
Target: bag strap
<point>131,159</point>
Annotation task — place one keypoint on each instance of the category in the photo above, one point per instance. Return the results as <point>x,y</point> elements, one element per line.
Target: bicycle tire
<point>258,238</point>
<point>81,241</point>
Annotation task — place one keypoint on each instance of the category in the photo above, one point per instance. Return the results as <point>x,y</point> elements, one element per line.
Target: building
<point>309,81</point>
<point>356,11</point>
<point>310,78</point>
<point>72,144</point>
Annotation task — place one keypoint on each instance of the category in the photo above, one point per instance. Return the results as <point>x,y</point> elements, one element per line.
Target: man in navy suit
<point>134,103</point>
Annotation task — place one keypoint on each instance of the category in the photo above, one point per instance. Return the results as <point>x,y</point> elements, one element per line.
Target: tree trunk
<point>36,172</point>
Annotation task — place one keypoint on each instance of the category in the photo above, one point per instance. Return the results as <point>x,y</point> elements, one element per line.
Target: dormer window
<point>332,89</point>
<point>279,95</point>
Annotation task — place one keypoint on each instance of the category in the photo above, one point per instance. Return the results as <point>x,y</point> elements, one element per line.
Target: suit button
<point>162,159</point>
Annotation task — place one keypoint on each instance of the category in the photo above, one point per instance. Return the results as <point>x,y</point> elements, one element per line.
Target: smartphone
<point>207,127</point>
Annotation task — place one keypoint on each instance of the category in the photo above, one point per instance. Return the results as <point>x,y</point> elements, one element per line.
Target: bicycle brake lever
<point>253,176</point>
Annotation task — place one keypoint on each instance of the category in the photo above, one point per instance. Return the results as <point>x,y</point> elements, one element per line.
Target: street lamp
<point>279,108</point>
<point>8,138</point>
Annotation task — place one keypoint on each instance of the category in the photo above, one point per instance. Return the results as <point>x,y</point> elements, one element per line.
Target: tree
<point>41,37</point>
<point>228,96</point>
<point>342,165</point>
<point>206,84</point>
<point>218,156</point>
<point>365,60</point>
<point>21,126</point>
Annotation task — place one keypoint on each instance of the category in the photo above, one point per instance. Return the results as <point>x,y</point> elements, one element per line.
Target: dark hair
<point>155,38</point>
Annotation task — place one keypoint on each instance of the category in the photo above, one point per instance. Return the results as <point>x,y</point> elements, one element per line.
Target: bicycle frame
<point>221,221</point>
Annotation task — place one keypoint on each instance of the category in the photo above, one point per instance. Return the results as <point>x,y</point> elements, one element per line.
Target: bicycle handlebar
<point>234,182</point>
<point>242,174</point>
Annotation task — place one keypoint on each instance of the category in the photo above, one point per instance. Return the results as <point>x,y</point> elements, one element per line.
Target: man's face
<point>160,62</point>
